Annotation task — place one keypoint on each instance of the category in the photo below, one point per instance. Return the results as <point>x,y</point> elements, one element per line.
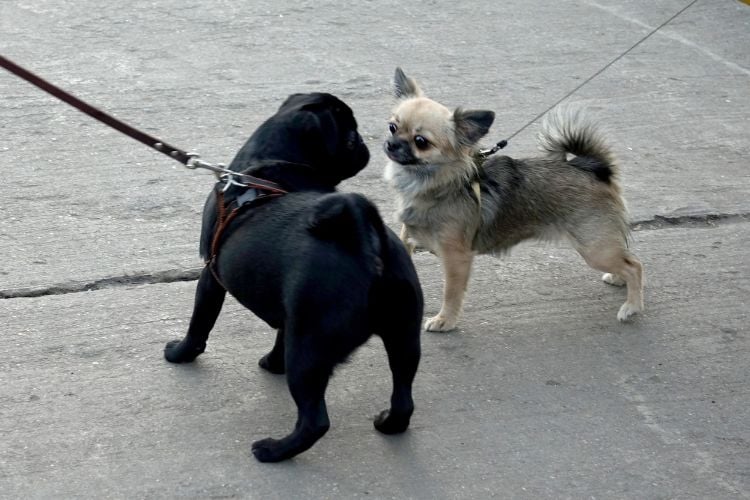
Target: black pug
<point>319,266</point>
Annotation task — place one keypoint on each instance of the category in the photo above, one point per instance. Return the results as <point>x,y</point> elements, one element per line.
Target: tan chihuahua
<point>457,205</point>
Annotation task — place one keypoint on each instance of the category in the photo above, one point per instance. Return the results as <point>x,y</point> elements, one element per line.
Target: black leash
<point>500,145</point>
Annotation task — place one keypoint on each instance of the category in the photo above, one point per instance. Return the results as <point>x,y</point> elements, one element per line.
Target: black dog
<point>315,264</point>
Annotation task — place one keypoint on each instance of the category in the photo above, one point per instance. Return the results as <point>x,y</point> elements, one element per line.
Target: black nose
<point>392,145</point>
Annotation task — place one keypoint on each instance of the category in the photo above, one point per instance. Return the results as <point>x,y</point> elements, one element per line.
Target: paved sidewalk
<point>539,394</point>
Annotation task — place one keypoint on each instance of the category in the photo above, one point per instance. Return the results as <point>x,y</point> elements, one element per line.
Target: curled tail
<point>567,130</point>
<point>353,222</point>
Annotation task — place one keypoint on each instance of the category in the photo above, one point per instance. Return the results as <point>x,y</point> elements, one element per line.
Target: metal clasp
<point>195,162</point>
<point>228,178</point>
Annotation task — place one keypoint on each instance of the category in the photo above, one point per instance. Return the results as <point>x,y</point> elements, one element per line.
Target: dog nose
<point>391,145</point>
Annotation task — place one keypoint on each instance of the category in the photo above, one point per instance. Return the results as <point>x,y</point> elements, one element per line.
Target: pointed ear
<point>405,87</point>
<point>472,125</point>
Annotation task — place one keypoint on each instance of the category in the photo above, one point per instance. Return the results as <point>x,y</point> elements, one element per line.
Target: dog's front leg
<point>209,297</point>
<point>400,336</point>
<point>457,259</point>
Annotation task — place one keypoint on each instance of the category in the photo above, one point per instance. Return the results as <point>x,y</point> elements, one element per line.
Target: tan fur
<point>456,210</point>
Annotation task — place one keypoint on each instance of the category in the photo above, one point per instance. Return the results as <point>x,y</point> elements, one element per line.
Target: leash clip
<point>497,147</point>
<point>194,162</point>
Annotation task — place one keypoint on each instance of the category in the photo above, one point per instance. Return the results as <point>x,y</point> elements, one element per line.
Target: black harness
<point>247,192</point>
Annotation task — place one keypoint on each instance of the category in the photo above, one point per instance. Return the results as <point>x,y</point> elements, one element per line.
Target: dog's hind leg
<point>621,267</point>
<point>403,358</point>
<point>403,347</point>
<point>274,360</point>
<point>308,371</point>
<point>631,271</point>
<point>613,279</point>
<point>209,297</point>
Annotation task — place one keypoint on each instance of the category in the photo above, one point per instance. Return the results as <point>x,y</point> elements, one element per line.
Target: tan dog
<point>455,208</point>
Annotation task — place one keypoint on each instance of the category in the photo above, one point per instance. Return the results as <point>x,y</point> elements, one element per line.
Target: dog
<point>456,208</point>
<point>318,266</point>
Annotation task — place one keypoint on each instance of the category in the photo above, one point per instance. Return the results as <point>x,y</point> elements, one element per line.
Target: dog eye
<point>392,127</point>
<point>421,142</point>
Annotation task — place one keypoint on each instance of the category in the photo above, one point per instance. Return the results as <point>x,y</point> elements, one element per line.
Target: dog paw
<point>627,310</point>
<point>440,323</point>
<point>268,450</point>
<point>388,423</point>
<point>272,364</point>
<point>613,279</point>
<point>179,351</point>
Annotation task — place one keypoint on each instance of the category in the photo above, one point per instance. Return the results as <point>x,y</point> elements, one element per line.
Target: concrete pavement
<point>539,394</point>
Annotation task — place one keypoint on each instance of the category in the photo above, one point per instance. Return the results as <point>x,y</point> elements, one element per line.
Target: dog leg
<point>632,273</point>
<point>307,376</point>
<point>613,279</point>
<point>405,239</point>
<point>274,360</point>
<point>209,297</point>
<point>457,267</point>
<point>403,357</point>
<point>622,267</point>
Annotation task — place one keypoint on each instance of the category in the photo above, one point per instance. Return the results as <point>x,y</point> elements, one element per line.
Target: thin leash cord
<point>192,160</point>
<point>602,70</point>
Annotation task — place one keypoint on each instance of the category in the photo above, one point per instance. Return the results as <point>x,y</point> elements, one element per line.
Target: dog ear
<point>294,100</point>
<point>472,125</point>
<point>405,87</point>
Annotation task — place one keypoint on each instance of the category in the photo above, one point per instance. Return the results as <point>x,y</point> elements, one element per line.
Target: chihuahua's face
<point>421,133</point>
<point>426,133</point>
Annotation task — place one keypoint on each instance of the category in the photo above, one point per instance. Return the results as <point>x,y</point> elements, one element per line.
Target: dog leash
<point>192,160</point>
<point>500,145</point>
<point>189,160</point>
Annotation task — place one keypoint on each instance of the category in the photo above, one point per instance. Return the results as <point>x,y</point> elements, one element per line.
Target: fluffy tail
<point>567,130</point>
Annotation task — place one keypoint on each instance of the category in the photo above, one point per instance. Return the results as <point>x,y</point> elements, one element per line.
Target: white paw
<point>613,279</point>
<point>627,310</point>
<point>440,323</point>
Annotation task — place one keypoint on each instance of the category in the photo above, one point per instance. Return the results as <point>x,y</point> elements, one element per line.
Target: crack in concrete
<point>176,275</point>
<point>169,276</point>
<point>695,220</point>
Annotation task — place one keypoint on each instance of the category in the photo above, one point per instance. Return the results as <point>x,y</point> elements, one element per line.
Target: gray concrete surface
<point>540,394</point>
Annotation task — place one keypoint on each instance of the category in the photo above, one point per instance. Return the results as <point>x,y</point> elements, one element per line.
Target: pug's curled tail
<point>567,130</point>
<point>353,222</point>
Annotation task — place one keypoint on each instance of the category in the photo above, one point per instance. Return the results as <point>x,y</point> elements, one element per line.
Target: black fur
<point>317,265</point>
<point>602,171</point>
